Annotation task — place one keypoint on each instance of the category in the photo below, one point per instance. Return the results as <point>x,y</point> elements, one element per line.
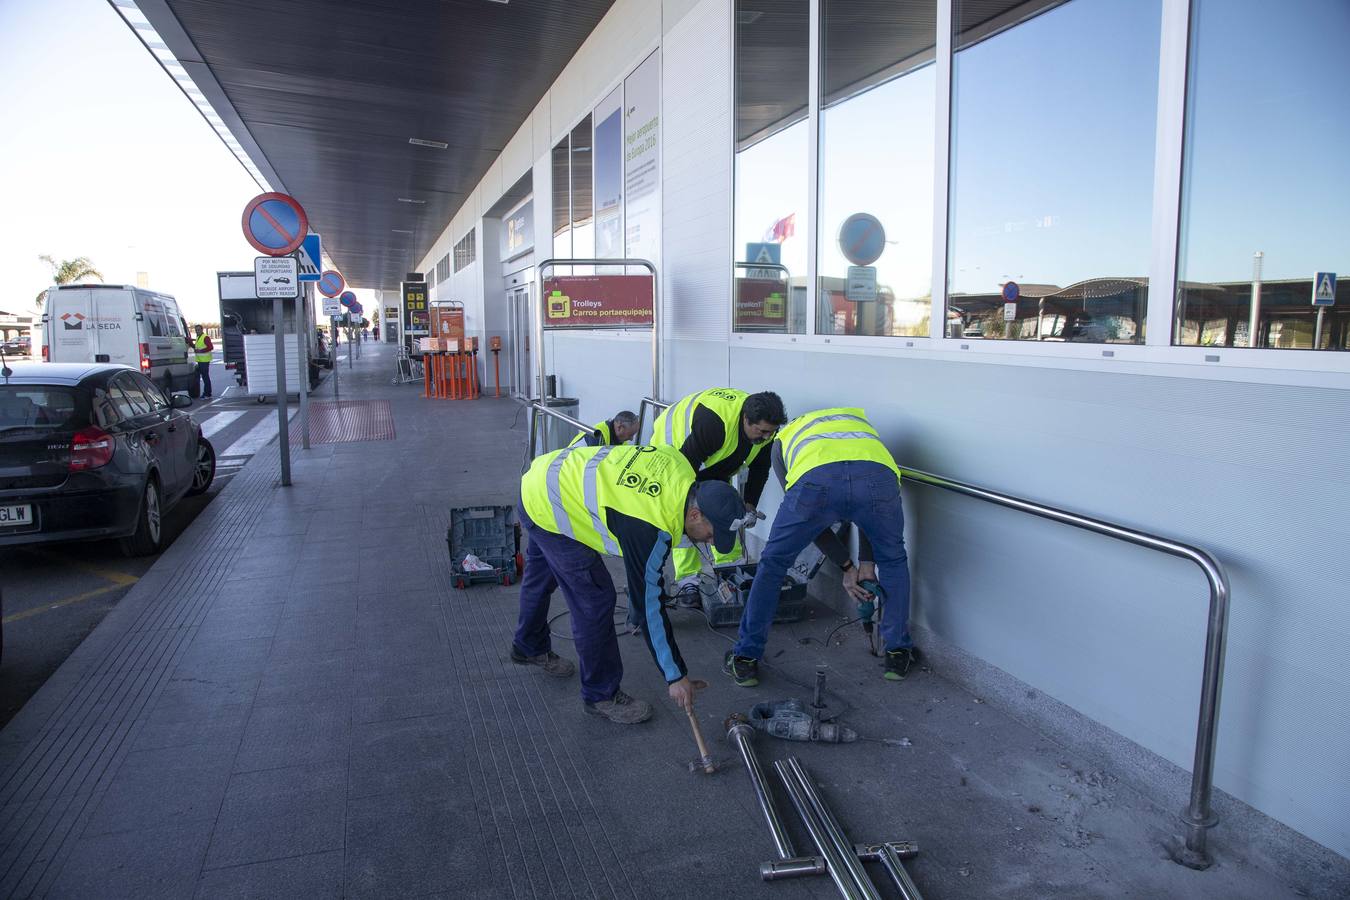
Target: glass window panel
<point>581,173</point>
<point>876,158</point>
<point>772,165</point>
<point>1053,121</point>
<point>562,201</point>
<point>1266,181</point>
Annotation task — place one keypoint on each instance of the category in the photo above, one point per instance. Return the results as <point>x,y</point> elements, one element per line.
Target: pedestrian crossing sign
<point>311,257</point>
<point>1324,289</point>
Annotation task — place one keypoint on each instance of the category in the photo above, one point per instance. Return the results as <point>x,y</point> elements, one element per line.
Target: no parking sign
<point>275,224</point>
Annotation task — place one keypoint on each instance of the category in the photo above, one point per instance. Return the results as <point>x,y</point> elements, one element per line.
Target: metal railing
<point>642,413</point>
<point>1198,816</point>
<point>535,409</point>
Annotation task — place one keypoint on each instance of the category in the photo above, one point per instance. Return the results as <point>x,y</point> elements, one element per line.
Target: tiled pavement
<point>294,702</point>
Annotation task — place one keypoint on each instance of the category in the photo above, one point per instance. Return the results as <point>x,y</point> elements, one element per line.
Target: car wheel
<point>204,469</point>
<point>148,537</point>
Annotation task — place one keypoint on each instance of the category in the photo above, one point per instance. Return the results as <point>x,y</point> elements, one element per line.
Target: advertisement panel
<point>761,304</point>
<point>598,301</point>
<point>517,231</point>
<point>642,163</point>
<point>608,158</point>
<point>416,317</point>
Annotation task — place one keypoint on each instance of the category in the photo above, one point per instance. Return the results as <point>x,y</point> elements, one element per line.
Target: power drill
<point>867,608</point>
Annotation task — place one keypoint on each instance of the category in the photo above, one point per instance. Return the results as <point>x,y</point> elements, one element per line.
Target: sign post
<point>1323,295</point>
<point>276,225</point>
<point>302,358</point>
<point>348,300</point>
<point>1011,292</point>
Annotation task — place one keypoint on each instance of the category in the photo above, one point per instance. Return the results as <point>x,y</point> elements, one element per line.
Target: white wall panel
<point>696,138</point>
<point>1112,630</point>
<point>517,157</point>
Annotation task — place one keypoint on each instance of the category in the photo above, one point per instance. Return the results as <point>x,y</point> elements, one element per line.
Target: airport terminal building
<point>1063,250</point>
<point>1080,252</point>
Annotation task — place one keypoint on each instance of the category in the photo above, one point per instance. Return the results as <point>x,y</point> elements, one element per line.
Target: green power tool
<point>867,608</point>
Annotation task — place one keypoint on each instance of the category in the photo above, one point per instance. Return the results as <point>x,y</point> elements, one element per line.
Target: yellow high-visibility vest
<point>842,434</point>
<point>672,427</point>
<point>569,491</point>
<point>203,355</point>
<point>606,436</point>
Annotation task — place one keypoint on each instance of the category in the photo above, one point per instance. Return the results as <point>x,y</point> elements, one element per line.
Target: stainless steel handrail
<point>836,864</point>
<point>535,408</point>
<point>1198,816</point>
<point>834,832</point>
<point>642,412</point>
<point>541,308</point>
<point>741,734</point>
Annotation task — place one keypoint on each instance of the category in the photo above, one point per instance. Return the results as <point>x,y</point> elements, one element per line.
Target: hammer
<point>704,760</point>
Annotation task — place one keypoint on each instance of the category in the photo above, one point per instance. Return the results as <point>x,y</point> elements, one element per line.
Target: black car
<point>90,451</point>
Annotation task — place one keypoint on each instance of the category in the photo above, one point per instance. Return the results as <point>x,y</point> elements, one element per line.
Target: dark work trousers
<point>204,376</point>
<point>553,561</point>
<point>863,492</point>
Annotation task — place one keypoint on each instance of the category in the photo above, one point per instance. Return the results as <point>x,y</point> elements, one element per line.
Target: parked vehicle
<point>112,323</point>
<point>91,451</point>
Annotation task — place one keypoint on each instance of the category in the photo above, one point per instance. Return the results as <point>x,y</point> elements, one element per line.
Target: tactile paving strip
<point>347,421</point>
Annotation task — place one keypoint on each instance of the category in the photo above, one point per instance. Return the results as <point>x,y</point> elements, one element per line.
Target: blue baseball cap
<point>722,507</point>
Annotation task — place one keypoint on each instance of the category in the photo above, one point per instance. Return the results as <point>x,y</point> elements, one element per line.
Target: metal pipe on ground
<point>837,861</point>
<point>741,736</point>
<point>793,771</point>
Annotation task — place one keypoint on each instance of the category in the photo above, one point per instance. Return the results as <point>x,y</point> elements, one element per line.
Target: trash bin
<point>557,433</point>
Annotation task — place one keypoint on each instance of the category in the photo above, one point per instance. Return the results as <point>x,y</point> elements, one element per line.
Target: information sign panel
<point>276,277</point>
<point>598,301</point>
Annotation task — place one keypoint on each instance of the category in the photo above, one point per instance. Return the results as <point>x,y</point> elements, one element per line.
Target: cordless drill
<point>867,608</point>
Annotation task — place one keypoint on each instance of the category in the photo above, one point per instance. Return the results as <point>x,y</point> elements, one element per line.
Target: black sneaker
<point>744,670</point>
<point>898,663</point>
<point>688,597</point>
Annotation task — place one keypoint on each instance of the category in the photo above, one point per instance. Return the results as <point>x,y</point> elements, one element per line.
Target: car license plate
<point>16,516</point>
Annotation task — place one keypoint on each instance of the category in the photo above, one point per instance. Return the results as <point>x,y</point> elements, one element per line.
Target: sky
<point>101,155</point>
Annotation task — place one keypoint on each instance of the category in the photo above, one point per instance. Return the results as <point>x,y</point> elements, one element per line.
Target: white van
<point>120,324</point>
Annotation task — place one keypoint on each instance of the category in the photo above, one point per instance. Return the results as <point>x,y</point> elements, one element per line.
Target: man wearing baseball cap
<point>625,501</point>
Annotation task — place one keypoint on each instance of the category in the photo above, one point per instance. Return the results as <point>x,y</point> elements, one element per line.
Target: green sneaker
<point>898,663</point>
<point>744,670</point>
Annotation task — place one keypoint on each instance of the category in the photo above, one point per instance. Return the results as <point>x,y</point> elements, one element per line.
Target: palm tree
<point>68,271</point>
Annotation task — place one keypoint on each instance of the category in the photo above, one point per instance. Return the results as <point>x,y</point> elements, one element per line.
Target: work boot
<point>744,670</point>
<point>550,662</point>
<point>621,709</point>
<point>688,597</point>
<point>898,663</point>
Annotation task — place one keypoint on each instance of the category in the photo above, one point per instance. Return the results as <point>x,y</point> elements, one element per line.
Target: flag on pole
<point>781,230</point>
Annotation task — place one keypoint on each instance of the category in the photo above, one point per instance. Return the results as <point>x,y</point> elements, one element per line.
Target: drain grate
<point>347,421</point>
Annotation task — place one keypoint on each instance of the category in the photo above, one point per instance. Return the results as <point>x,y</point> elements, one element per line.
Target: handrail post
<point>1198,816</point>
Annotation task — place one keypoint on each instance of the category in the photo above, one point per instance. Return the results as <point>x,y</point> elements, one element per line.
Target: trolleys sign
<point>598,301</point>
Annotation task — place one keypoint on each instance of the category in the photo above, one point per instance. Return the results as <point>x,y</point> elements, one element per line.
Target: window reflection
<point>562,201</point>
<point>1265,178</point>
<point>772,165</point>
<point>583,228</point>
<point>1053,121</point>
<point>876,159</point>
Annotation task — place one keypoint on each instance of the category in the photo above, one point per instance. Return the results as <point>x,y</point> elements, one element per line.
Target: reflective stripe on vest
<point>815,439</point>
<point>673,426</point>
<point>568,492</point>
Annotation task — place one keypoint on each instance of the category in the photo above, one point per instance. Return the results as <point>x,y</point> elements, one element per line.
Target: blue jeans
<point>553,561</point>
<point>863,492</point>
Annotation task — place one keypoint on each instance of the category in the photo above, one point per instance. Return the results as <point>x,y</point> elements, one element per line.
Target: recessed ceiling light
<point>421,142</point>
<point>411,200</point>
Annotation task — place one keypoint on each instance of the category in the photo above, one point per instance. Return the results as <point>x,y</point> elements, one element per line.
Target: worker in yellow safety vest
<point>203,347</point>
<point>632,502</point>
<point>834,468</point>
<point>619,430</point>
<point>720,431</point>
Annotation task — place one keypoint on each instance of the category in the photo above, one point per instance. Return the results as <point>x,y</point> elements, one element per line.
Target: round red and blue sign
<point>862,239</point>
<point>1011,292</point>
<point>347,298</point>
<point>275,224</point>
<point>331,283</point>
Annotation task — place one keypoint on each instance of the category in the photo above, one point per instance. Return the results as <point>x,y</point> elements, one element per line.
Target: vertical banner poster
<point>416,316</point>
<point>608,144</point>
<point>642,160</point>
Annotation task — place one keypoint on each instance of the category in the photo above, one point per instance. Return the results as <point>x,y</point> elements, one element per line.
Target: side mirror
<point>180,400</point>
